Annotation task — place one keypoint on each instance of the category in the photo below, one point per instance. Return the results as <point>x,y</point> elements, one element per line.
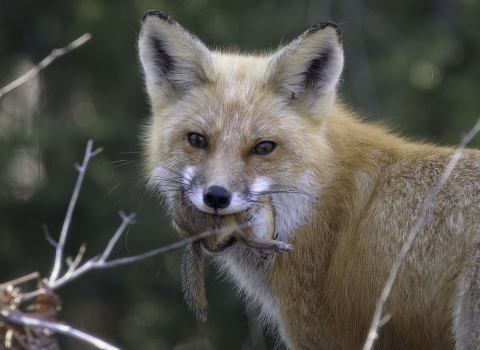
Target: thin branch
<point>422,220</point>
<point>20,280</point>
<point>59,328</point>
<point>127,220</point>
<point>44,63</point>
<point>73,266</point>
<point>89,265</point>
<point>68,218</point>
<point>173,246</point>
<point>98,263</point>
<point>48,237</point>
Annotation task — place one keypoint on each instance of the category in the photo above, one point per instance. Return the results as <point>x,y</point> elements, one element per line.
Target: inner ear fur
<point>173,58</point>
<point>308,69</point>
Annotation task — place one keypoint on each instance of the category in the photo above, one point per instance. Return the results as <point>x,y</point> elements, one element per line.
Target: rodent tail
<point>194,280</point>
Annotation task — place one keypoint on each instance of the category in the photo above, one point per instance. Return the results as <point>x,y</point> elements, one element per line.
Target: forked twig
<point>377,320</point>
<point>44,63</point>
<point>68,217</point>
<point>126,220</point>
<point>99,262</point>
<point>94,263</point>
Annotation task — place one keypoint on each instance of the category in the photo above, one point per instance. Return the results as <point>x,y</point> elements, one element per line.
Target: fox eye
<point>264,148</point>
<point>197,141</point>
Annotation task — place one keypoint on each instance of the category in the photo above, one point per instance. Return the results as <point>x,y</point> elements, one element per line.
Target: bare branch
<point>18,318</point>
<point>68,218</point>
<point>74,271</point>
<point>98,263</point>
<point>173,246</point>
<point>378,321</point>
<point>44,63</point>
<point>48,237</point>
<point>127,220</point>
<point>20,280</point>
<point>72,267</point>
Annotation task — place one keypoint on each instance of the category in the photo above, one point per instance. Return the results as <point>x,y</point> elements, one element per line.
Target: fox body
<point>261,143</point>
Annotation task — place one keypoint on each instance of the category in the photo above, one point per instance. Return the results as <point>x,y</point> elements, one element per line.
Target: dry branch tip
<point>44,63</point>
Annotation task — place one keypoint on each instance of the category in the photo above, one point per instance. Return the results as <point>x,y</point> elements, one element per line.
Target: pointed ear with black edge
<point>306,71</point>
<point>174,60</point>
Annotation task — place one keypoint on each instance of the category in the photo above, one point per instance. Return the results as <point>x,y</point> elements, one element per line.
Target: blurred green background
<point>412,64</point>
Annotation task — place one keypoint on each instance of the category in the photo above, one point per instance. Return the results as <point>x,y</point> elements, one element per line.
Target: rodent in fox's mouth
<point>224,247</point>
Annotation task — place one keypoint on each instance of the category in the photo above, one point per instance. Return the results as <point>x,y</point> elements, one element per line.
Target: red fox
<point>262,144</point>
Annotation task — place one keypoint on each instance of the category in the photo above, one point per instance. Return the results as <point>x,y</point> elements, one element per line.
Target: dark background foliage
<point>411,64</point>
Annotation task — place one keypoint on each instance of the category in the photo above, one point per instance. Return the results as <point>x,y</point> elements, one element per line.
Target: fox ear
<point>174,60</point>
<point>307,70</point>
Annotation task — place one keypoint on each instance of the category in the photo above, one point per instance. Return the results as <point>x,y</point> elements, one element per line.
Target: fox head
<point>234,133</point>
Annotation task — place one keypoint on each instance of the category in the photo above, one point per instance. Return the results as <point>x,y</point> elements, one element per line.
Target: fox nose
<point>216,197</point>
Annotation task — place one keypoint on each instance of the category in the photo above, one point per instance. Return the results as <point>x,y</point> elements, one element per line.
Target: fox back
<point>259,149</point>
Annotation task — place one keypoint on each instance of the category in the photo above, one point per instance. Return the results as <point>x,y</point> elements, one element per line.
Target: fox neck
<point>314,226</point>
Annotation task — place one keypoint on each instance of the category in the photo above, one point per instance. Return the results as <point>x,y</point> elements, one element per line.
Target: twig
<point>172,246</point>
<point>68,218</point>
<point>73,265</point>
<point>59,328</point>
<point>89,265</point>
<point>98,263</point>
<point>48,237</point>
<point>20,280</point>
<point>422,220</point>
<point>44,63</point>
<point>127,220</point>
<point>12,333</point>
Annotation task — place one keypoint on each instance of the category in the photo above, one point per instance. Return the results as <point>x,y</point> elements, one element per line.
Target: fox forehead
<point>236,109</point>
<point>231,67</point>
<point>235,101</point>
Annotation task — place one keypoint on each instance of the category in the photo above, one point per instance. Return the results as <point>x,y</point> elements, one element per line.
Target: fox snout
<point>217,197</point>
